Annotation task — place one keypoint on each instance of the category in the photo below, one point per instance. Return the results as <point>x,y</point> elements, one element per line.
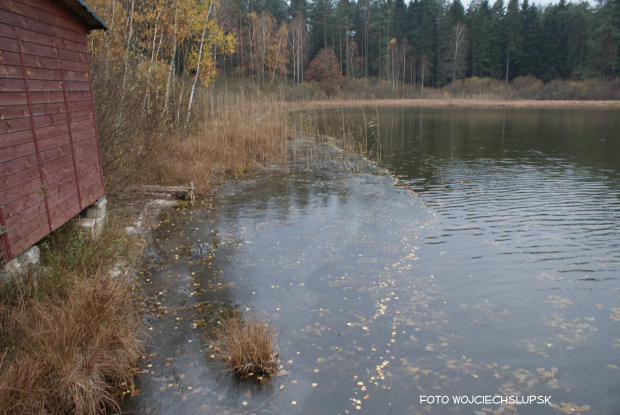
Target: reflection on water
<point>490,267</point>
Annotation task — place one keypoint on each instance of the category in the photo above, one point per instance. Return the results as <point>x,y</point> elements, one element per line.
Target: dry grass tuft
<point>247,345</point>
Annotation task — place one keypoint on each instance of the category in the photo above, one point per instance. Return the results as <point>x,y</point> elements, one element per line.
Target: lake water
<point>474,258</point>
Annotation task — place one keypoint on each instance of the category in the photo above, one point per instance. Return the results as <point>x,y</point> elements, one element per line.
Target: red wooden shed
<point>50,162</point>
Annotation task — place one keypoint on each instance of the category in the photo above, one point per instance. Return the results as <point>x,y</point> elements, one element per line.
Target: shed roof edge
<point>90,17</point>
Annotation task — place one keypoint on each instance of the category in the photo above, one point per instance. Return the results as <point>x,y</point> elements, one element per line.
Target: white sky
<point>537,2</point>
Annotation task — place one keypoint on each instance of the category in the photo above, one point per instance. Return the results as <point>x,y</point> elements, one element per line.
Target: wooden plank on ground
<point>171,192</point>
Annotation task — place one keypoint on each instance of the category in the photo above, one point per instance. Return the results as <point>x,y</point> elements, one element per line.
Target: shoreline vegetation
<point>453,103</point>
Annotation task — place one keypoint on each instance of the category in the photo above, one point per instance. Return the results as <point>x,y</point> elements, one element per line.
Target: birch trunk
<point>202,41</point>
<point>147,95</point>
<point>174,52</point>
<point>120,115</point>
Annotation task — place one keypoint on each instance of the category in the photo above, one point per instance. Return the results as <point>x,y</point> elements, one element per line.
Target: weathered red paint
<point>34,134</point>
<point>69,119</point>
<point>50,161</point>
<point>5,244</point>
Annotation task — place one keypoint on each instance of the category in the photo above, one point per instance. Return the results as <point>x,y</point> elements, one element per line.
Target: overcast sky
<point>538,2</point>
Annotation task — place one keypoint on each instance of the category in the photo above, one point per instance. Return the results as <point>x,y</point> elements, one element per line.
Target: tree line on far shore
<point>422,43</point>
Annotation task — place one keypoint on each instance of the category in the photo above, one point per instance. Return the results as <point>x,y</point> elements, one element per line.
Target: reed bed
<point>237,134</point>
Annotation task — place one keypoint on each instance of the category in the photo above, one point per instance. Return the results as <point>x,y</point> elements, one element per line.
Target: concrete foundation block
<point>17,264</point>
<point>97,210</point>
<point>93,225</point>
<point>92,219</point>
<point>31,256</point>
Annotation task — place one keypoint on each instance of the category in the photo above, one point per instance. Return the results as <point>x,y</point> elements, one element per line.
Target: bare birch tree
<point>278,52</point>
<point>172,56</point>
<point>298,35</point>
<point>202,41</point>
<point>458,49</point>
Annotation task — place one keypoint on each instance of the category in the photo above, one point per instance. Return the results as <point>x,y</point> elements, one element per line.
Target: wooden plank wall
<point>50,165</point>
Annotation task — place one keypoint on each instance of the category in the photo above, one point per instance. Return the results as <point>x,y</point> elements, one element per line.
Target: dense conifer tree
<point>423,42</point>
<point>531,64</point>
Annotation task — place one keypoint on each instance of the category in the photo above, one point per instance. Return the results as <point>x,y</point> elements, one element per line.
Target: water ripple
<point>555,213</point>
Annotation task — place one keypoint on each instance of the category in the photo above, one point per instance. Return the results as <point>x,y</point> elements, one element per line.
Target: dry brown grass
<point>452,103</point>
<point>237,134</point>
<point>247,345</point>
<point>70,334</point>
<point>71,356</point>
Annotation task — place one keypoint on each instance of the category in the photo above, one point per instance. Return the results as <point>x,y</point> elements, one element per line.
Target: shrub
<point>557,89</point>
<point>477,88</point>
<point>526,87</point>
<point>325,69</point>
<point>526,82</point>
<point>597,89</point>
